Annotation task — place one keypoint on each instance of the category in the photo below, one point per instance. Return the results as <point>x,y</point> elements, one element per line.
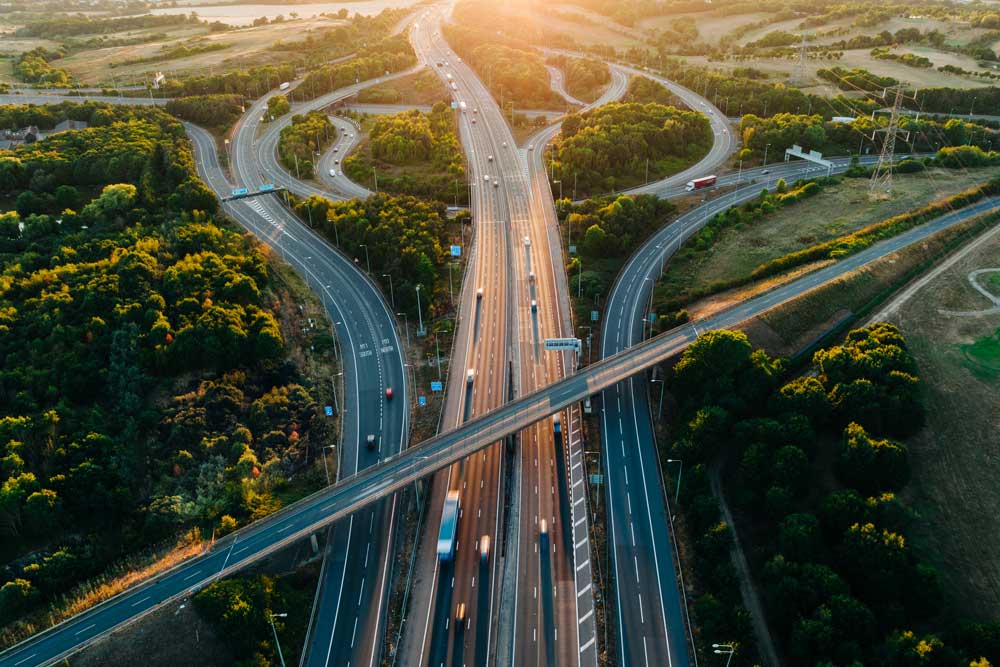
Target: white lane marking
<point>138,602</point>
<point>25,659</point>
<point>192,575</point>
<point>80,632</point>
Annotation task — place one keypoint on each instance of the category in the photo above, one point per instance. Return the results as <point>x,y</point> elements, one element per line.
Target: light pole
<point>368,260</point>
<point>392,292</point>
<point>421,331</point>
<point>677,493</point>
<point>560,188</point>
<point>406,322</point>
<point>325,466</point>
<point>725,649</point>
<point>765,155</point>
<point>413,376</point>
<point>972,105</point>
<point>277,644</point>
<point>659,410</point>
<point>739,175</point>
<point>375,175</point>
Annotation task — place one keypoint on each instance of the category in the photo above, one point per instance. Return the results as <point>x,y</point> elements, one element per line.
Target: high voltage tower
<point>880,186</point>
<point>799,75</point>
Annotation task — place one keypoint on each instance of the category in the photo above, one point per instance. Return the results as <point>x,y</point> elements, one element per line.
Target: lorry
<point>699,183</point>
<point>463,106</point>
<point>284,86</point>
<point>449,526</point>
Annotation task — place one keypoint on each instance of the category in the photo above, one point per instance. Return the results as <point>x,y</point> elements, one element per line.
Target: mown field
<point>837,210</point>
<point>955,458</point>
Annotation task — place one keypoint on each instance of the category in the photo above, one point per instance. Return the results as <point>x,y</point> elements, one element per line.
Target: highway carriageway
<point>309,514</point>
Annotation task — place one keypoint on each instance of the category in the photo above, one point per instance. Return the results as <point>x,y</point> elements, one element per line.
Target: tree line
<point>616,146</point>
<point>35,66</point>
<point>813,466</point>
<point>388,55</point>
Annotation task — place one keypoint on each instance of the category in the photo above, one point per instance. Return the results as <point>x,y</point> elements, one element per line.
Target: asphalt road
<point>486,325</point>
<point>379,481</point>
<point>651,619</point>
<point>553,609</point>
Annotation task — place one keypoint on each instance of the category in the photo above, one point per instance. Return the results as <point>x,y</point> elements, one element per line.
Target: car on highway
<point>473,121</point>
<point>496,183</point>
<point>534,306</point>
<point>531,276</point>
<point>505,144</point>
<point>470,376</point>
<point>333,173</point>
<point>486,177</point>
<point>490,158</point>
<point>479,294</point>
<point>460,613</point>
<point>388,393</point>
<point>484,548</point>
<point>531,147</point>
<point>527,241</point>
<point>370,441</point>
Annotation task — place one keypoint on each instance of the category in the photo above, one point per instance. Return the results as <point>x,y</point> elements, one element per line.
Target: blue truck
<point>449,527</point>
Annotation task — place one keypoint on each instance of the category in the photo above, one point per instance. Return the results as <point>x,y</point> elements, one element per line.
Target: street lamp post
<point>392,292</point>
<point>421,331</point>
<point>325,466</point>
<point>725,649</point>
<point>406,323</point>
<point>739,175</point>
<point>677,493</point>
<point>560,188</point>
<point>765,155</point>
<point>277,644</point>
<point>368,260</point>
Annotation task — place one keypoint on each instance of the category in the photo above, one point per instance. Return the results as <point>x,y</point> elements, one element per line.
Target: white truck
<point>284,86</point>
<point>449,524</point>
<point>463,106</point>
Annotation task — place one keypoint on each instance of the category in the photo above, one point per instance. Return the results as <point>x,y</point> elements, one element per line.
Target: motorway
<point>394,472</point>
<point>485,326</point>
<point>651,615</point>
<point>564,576</point>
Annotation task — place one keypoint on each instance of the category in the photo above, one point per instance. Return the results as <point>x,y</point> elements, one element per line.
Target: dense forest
<point>216,112</point>
<point>302,139</point>
<point>146,387</point>
<point>617,146</point>
<point>405,238</point>
<point>414,154</point>
<point>391,54</point>
<point>585,78</point>
<point>813,466</point>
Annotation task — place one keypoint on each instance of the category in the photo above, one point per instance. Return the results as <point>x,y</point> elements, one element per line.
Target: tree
<point>799,537</point>
<point>872,465</point>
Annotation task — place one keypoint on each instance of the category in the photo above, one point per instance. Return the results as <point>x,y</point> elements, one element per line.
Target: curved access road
<point>377,482</point>
<point>350,608</point>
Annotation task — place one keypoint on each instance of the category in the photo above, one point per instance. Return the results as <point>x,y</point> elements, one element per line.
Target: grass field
<point>244,47</point>
<point>711,27</point>
<point>837,210</point>
<point>955,459</point>
<point>422,88</point>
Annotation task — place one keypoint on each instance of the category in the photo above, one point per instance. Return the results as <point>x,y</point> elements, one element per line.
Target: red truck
<point>702,182</point>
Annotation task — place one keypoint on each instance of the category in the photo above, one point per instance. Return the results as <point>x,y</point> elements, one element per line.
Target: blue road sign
<point>422,401</point>
<point>456,251</point>
<point>239,191</point>
<point>436,385</point>
<point>594,316</point>
<point>267,187</point>
<point>329,410</point>
<point>652,318</point>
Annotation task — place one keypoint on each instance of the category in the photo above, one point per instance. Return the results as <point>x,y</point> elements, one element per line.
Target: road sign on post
<point>436,385</point>
<point>563,344</point>
<point>456,251</point>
